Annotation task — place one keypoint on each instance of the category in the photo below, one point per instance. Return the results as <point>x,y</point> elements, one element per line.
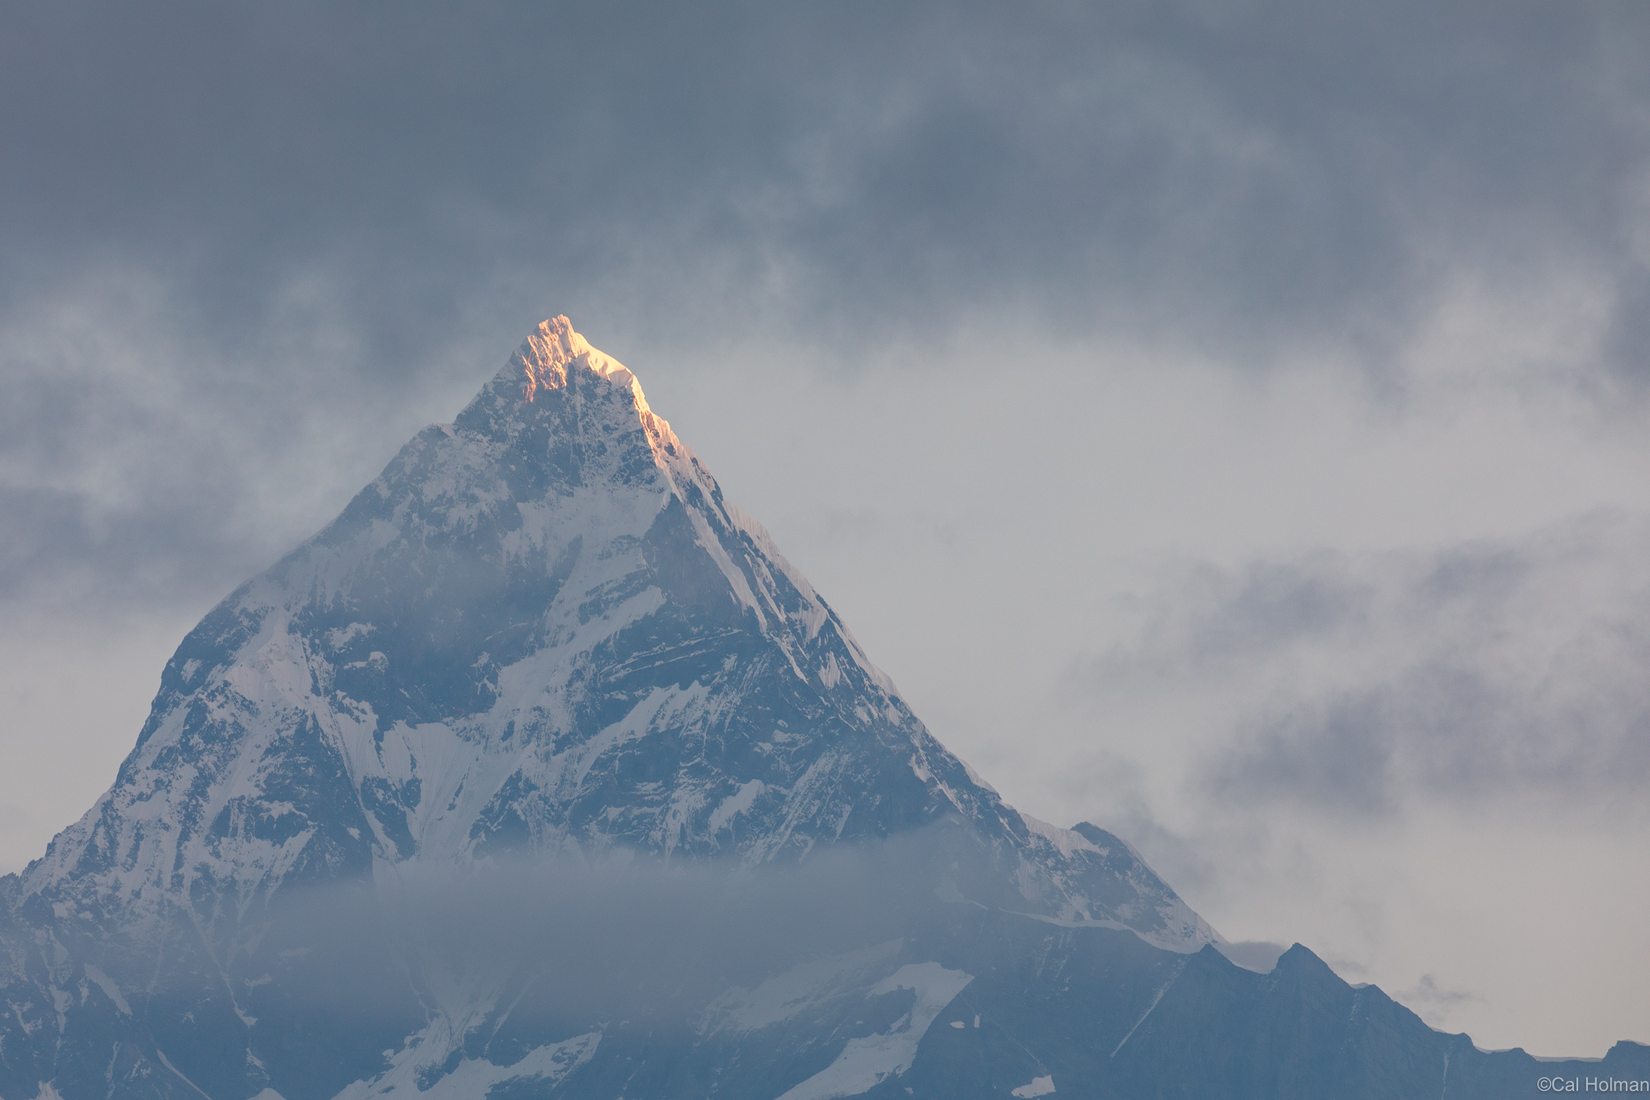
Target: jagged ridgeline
<point>539,772</point>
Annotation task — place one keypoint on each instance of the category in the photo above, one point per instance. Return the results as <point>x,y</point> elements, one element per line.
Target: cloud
<point>1257,955</point>
<point>1250,180</point>
<point>1428,995</point>
<point>1421,759</point>
<point>223,223</point>
<point>1355,683</point>
<point>1214,617</point>
<point>584,935</point>
<point>1339,759</point>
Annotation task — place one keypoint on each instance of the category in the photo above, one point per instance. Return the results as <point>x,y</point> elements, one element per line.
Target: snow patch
<point>1068,842</point>
<point>869,1060</point>
<point>830,673</point>
<point>339,637</point>
<point>472,1077</point>
<point>792,992</point>
<point>738,802</point>
<point>110,989</point>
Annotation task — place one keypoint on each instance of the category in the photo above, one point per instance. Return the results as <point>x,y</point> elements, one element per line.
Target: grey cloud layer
<point>287,206</point>
<point>1243,175</point>
<point>279,208</point>
<point>1429,761</point>
<point>1357,684</point>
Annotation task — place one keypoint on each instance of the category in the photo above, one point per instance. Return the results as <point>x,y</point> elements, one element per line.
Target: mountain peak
<point>542,646</point>
<point>553,348</point>
<point>543,628</point>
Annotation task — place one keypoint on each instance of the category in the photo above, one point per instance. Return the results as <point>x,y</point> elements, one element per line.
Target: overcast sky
<point>1227,423</point>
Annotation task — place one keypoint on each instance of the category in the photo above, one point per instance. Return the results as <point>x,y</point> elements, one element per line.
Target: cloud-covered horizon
<point>1226,422</point>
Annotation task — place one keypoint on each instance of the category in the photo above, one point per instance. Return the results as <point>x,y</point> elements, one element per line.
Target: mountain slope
<point>540,771</point>
<point>542,626</point>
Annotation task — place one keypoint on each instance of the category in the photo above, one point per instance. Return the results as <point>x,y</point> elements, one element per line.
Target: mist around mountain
<point>540,772</point>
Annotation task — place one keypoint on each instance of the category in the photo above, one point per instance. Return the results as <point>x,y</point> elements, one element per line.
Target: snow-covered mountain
<point>542,638</point>
<point>542,628</point>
